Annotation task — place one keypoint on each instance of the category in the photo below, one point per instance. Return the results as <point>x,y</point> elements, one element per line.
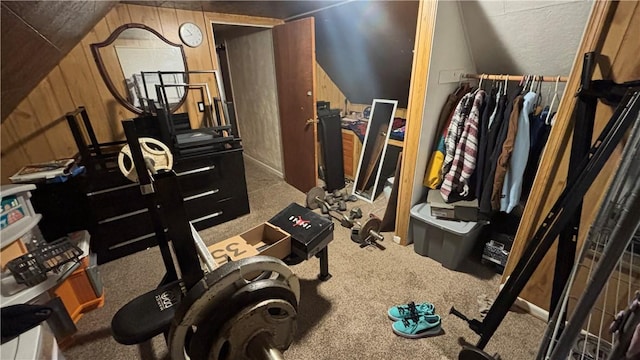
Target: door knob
<point>311,121</point>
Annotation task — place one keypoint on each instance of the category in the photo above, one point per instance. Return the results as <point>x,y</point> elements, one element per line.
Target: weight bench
<point>146,316</point>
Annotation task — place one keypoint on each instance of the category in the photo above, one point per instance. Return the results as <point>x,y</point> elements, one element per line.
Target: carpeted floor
<point>343,318</point>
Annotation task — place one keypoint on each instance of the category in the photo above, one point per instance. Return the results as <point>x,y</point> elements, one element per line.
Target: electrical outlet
<point>201,106</point>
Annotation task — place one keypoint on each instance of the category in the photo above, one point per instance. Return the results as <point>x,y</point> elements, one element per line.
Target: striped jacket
<point>463,164</point>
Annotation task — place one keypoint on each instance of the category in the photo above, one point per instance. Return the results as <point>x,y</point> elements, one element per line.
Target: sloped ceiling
<point>524,37</point>
<point>36,35</point>
<point>366,48</point>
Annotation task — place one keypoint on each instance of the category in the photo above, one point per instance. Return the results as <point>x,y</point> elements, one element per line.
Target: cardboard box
<point>264,239</point>
<point>459,210</point>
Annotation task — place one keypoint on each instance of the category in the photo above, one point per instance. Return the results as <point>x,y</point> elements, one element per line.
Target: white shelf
<point>18,229</point>
<point>8,190</point>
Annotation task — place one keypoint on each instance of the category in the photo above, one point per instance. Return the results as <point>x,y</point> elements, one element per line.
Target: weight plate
<point>155,152</point>
<point>274,318</point>
<point>312,203</point>
<point>208,333</point>
<point>214,291</point>
<point>373,223</point>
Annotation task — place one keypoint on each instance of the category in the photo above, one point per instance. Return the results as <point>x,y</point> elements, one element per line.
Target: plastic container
<point>388,186</point>
<point>446,241</point>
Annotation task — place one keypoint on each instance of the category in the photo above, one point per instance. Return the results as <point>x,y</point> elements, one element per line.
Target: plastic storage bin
<point>448,242</point>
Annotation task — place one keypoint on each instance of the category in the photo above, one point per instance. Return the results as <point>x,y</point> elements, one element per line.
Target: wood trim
<point>417,93</point>
<point>233,19</point>
<point>543,189</point>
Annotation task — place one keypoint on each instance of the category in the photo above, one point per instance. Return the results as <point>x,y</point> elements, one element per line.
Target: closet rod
<point>514,77</point>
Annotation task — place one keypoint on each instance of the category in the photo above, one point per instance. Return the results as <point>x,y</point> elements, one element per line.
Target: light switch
<point>201,106</point>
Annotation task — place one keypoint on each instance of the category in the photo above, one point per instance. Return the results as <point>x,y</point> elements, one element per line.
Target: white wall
<point>255,95</point>
<point>449,52</point>
<point>524,37</point>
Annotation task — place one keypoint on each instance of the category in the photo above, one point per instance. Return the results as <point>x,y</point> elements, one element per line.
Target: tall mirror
<point>128,60</point>
<point>367,184</point>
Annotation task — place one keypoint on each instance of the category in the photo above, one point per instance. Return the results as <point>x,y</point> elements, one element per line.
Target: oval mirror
<point>129,61</point>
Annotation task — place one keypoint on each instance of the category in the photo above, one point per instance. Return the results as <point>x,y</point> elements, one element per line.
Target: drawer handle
<point>215,214</point>
<point>195,171</point>
<point>131,241</point>
<point>207,193</point>
<point>122,216</point>
<point>111,189</point>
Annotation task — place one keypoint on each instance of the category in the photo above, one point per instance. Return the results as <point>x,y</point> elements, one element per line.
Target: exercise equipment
<point>157,156</point>
<point>244,309</point>
<point>366,234</point>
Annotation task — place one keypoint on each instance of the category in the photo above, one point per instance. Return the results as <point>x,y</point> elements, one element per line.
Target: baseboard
<point>531,308</point>
<point>265,166</point>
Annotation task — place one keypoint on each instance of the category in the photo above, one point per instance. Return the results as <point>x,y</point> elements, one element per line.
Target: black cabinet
<point>114,211</point>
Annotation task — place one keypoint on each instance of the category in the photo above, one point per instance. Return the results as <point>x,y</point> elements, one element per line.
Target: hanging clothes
<point>507,148</point>
<point>483,132</point>
<point>497,133</point>
<point>512,187</point>
<point>540,131</point>
<point>454,132</point>
<point>433,175</point>
<point>455,185</point>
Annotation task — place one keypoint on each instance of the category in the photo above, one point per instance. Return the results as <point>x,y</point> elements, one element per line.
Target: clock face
<point>190,34</point>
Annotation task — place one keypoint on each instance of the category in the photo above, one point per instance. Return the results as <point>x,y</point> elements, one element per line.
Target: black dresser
<point>114,211</point>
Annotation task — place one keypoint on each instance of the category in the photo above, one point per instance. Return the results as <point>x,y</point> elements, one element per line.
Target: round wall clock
<point>190,34</point>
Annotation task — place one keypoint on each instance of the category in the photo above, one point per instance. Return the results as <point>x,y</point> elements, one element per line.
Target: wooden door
<point>295,55</point>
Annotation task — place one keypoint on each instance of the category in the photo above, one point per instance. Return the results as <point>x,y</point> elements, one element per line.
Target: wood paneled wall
<point>620,42</point>
<point>34,132</point>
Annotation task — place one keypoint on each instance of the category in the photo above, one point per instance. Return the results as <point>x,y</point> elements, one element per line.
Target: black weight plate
<point>252,293</point>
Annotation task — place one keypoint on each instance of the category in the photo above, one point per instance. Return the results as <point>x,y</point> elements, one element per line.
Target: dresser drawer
<point>200,180</point>
<point>211,173</point>
<point>122,229</point>
<point>115,201</point>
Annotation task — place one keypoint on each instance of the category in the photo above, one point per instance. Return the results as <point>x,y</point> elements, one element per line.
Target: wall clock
<point>190,34</point>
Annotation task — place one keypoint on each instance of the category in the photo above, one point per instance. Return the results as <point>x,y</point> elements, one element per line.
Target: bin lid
<point>423,212</point>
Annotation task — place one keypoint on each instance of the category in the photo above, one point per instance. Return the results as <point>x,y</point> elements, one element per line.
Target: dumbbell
<point>316,199</point>
<point>369,232</point>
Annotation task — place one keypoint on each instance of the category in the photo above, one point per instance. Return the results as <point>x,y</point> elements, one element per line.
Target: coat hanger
<point>480,83</point>
<point>553,100</point>
<point>506,82</point>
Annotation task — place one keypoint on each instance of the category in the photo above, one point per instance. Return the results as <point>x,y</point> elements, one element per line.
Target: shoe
<point>411,309</point>
<point>418,327</point>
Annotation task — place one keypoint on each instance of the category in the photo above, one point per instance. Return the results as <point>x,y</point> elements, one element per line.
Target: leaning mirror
<point>367,183</point>
<point>129,61</point>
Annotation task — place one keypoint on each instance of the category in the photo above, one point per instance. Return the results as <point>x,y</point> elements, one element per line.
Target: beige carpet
<point>343,318</point>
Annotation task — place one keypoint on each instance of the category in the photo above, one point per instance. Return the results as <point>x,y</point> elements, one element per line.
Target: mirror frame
<point>367,137</point>
<point>105,76</point>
